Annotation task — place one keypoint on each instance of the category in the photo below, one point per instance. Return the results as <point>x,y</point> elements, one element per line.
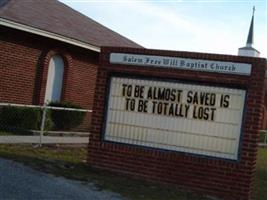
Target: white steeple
<point>248,50</point>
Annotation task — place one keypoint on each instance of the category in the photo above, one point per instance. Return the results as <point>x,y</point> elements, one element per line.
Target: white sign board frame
<point>182,63</point>
<point>178,130</point>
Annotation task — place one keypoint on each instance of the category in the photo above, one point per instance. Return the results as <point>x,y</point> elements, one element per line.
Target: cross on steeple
<point>248,50</point>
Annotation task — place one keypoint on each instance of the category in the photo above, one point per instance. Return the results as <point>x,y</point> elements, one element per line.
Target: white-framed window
<point>54,79</point>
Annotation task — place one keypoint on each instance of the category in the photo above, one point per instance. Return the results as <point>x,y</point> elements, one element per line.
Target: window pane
<point>54,79</point>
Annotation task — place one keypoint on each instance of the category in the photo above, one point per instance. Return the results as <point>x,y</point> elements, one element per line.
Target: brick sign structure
<point>189,119</point>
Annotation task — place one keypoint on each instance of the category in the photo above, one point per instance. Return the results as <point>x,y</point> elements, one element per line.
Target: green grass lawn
<point>71,163</point>
<point>261,175</point>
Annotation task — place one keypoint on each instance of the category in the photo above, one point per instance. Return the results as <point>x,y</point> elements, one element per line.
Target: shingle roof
<point>55,17</point>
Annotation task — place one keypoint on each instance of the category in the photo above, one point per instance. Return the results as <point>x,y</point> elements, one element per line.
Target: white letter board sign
<point>191,118</point>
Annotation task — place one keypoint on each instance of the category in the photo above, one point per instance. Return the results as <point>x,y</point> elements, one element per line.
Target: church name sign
<point>175,116</point>
<point>181,63</point>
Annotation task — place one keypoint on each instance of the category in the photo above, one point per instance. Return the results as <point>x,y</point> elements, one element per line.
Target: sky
<point>209,26</point>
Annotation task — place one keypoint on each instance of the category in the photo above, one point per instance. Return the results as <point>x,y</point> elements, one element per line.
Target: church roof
<point>55,18</point>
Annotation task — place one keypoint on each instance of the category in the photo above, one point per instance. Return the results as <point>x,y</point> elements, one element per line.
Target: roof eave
<point>29,29</point>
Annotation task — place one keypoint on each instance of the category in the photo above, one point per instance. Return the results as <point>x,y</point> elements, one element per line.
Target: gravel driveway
<point>21,182</point>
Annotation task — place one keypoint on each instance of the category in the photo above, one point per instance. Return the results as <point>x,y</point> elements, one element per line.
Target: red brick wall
<point>224,178</point>
<point>24,60</point>
<point>17,69</point>
<point>264,124</point>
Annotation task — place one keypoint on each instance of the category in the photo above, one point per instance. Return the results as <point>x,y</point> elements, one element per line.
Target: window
<point>54,79</point>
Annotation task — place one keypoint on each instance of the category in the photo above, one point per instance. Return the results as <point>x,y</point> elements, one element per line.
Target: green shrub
<point>21,120</point>
<point>48,121</point>
<point>18,118</point>
<point>30,118</point>
<point>65,119</point>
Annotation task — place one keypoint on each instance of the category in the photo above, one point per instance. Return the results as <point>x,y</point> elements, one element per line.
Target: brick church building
<point>49,52</point>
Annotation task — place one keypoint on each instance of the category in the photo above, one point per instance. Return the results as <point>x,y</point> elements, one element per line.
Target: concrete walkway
<point>18,182</point>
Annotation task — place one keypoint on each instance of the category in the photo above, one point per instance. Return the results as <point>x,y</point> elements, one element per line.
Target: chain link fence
<point>53,123</point>
<point>21,123</point>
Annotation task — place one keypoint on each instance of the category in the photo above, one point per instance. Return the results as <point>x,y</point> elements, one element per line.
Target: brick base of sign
<point>227,179</point>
